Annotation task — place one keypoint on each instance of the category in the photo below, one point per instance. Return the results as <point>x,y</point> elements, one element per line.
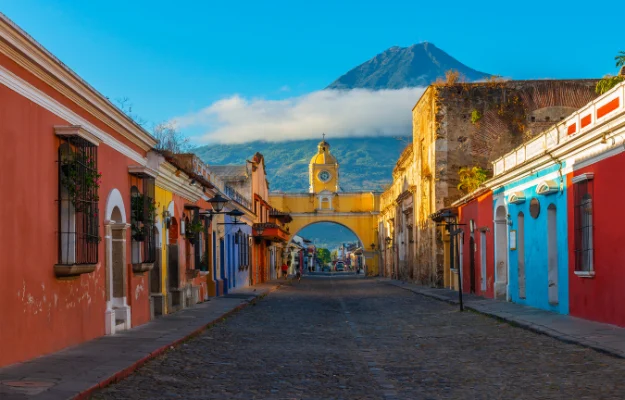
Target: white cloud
<point>338,113</point>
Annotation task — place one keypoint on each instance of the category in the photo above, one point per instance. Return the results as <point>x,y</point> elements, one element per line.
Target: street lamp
<point>259,230</point>
<point>453,228</point>
<point>388,241</point>
<point>235,215</point>
<point>372,246</point>
<point>218,202</point>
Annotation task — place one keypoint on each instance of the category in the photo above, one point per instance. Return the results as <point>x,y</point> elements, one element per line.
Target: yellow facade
<point>162,198</point>
<point>358,211</point>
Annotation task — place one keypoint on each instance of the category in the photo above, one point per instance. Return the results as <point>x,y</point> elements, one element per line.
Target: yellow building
<point>325,202</point>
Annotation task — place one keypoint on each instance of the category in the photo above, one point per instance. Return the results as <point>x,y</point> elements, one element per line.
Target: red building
<point>68,158</point>
<point>475,251</point>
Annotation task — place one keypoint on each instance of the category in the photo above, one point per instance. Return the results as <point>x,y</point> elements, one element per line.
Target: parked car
<point>340,266</point>
<point>326,268</point>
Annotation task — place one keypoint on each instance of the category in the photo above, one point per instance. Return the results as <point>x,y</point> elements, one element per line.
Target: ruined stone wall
<point>424,127</point>
<point>505,114</point>
<point>467,125</point>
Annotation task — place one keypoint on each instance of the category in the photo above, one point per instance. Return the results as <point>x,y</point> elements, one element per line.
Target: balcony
<point>270,231</point>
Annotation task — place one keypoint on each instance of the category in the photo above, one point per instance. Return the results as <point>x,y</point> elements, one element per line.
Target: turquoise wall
<point>536,241</point>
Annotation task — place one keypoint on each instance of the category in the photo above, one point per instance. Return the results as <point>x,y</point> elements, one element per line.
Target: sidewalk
<point>605,338</point>
<point>77,371</point>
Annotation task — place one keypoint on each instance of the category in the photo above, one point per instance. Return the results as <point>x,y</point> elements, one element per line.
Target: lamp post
<point>453,230</point>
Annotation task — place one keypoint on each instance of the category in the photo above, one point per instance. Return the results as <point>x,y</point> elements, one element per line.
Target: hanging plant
<point>81,180</point>
<point>143,208</point>
<point>193,229</point>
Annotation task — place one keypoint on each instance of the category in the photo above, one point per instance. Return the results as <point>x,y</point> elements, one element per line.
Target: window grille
<point>142,217</point>
<point>584,252</point>
<point>79,181</point>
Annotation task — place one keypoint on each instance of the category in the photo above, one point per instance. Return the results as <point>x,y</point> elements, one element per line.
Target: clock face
<point>324,176</point>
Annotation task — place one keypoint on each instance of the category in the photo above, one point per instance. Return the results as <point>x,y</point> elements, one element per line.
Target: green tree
<point>471,178</point>
<point>323,255</point>
<point>334,255</point>
<point>609,81</point>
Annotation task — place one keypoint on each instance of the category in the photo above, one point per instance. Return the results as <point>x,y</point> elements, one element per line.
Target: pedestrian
<point>285,269</point>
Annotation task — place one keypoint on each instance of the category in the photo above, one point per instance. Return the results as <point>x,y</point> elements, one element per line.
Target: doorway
<point>552,254</point>
<point>117,315</point>
<point>483,261</point>
<point>501,253</point>
<point>521,253</point>
<point>472,263</point>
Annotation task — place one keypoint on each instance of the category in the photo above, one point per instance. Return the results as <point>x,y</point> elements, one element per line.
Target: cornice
<point>25,89</point>
<point>26,52</point>
<point>168,180</point>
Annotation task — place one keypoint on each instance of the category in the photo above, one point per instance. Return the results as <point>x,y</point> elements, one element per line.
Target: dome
<point>323,155</point>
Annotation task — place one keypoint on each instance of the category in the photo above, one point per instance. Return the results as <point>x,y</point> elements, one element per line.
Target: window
<point>142,216</point>
<point>79,181</point>
<point>584,253</point>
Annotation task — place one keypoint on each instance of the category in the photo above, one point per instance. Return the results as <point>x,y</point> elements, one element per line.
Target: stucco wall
<point>600,298</point>
<point>536,241</point>
<point>479,210</point>
<point>45,314</point>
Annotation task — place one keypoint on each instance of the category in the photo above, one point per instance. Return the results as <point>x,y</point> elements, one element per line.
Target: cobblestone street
<point>347,338</point>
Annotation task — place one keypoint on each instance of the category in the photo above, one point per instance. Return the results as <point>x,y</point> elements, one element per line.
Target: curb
<point>124,373</point>
<point>519,324</point>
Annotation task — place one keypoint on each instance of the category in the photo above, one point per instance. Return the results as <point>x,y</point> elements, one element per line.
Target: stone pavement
<point>601,337</point>
<point>78,370</point>
<point>347,338</point>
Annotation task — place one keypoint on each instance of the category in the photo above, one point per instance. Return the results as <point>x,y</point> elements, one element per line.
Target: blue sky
<point>175,58</point>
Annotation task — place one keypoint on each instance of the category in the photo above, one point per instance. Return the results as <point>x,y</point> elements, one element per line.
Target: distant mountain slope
<point>398,67</point>
<point>366,163</point>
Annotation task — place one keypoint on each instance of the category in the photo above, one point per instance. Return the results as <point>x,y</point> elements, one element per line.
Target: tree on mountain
<point>609,81</point>
<point>471,178</point>
<point>323,255</point>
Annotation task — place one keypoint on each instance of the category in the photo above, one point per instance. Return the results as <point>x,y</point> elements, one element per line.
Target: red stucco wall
<point>40,313</point>
<point>600,298</point>
<point>481,211</point>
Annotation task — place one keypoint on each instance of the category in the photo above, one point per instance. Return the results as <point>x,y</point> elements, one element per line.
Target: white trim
<point>599,157</point>
<point>583,177</point>
<point>25,89</point>
<point>142,169</point>
<point>113,200</point>
<point>547,187</point>
<point>37,60</point>
<point>585,274</point>
<point>76,130</point>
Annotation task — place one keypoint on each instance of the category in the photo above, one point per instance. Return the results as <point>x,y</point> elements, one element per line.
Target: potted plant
<point>193,229</point>
<point>79,176</point>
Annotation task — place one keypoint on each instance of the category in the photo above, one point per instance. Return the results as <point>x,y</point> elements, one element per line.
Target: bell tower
<point>323,170</point>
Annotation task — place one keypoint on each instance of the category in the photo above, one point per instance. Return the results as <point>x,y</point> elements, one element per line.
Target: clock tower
<point>323,170</point>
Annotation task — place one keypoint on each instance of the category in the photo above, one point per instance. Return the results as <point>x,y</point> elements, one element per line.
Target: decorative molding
<point>517,198</point>
<point>38,61</point>
<point>168,180</point>
<point>76,131</point>
<point>142,170</point>
<point>547,187</point>
<point>33,94</point>
<point>583,177</point>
